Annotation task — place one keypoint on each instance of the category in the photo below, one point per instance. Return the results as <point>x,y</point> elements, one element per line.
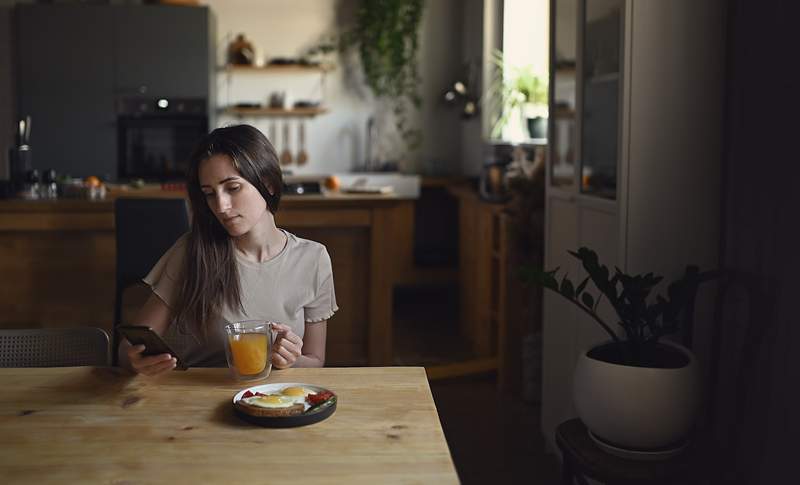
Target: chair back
<point>54,347</point>
<point>145,230</point>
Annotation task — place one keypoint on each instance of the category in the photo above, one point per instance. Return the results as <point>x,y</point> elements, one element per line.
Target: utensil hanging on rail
<point>286,155</point>
<point>302,156</point>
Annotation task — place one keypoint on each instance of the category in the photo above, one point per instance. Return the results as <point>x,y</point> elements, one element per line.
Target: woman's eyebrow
<point>227,179</point>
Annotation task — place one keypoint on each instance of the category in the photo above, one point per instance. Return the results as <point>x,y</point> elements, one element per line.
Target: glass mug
<point>248,346</point>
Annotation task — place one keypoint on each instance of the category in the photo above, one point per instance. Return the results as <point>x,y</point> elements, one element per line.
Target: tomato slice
<point>318,398</point>
<point>249,393</point>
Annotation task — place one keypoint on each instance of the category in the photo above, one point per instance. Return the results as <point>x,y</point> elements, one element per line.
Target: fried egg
<point>296,393</point>
<point>271,401</point>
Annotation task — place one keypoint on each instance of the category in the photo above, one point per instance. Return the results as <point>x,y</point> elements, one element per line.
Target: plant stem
<point>596,318</point>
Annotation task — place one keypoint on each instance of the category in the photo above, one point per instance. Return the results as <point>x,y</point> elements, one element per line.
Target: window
<point>525,67</point>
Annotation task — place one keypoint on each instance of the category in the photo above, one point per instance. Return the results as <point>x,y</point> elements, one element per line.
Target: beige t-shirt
<point>294,288</point>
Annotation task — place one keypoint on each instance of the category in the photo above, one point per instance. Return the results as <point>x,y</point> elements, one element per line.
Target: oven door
<point>157,148</point>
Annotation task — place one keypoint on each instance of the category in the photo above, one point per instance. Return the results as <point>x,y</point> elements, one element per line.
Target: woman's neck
<point>263,242</point>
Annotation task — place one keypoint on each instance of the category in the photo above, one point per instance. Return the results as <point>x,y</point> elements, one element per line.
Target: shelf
<point>296,112</point>
<point>603,78</point>
<point>563,113</point>
<point>280,68</point>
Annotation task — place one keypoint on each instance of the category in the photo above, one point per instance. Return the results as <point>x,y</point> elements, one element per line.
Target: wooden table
<point>102,425</point>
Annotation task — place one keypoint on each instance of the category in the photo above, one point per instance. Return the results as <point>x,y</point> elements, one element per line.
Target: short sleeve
<point>164,279</point>
<point>323,306</point>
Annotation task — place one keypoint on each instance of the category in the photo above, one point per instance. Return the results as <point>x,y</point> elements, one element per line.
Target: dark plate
<point>311,416</point>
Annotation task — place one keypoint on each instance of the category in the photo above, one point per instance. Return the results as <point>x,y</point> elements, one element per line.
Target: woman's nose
<point>223,203</point>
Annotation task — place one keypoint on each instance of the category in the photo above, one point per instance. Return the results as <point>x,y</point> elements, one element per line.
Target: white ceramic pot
<point>639,408</point>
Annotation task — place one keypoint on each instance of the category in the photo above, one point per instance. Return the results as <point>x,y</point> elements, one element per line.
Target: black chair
<point>145,229</point>
<point>54,347</point>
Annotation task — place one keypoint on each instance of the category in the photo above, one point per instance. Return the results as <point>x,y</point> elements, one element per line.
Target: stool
<point>583,458</point>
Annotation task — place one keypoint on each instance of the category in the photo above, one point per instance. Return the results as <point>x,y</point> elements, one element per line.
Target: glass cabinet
<point>587,79</point>
<point>563,111</point>
<point>600,85</point>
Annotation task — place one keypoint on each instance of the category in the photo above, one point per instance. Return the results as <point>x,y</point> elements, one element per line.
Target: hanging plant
<point>386,38</point>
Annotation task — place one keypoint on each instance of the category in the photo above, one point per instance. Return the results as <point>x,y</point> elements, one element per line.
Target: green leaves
<point>387,35</point>
<point>588,300</point>
<point>567,289</point>
<point>642,319</point>
<point>511,88</point>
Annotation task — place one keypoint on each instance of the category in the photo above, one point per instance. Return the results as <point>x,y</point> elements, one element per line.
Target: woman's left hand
<point>287,348</point>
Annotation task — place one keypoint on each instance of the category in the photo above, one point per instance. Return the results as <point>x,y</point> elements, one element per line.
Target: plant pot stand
<point>661,454</point>
<point>582,457</point>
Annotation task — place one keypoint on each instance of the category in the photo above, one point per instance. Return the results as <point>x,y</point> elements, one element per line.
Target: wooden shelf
<point>296,112</point>
<point>563,113</point>
<point>279,68</point>
<point>603,78</point>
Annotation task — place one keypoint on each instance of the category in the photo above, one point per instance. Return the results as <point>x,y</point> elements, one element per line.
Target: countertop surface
<point>332,199</point>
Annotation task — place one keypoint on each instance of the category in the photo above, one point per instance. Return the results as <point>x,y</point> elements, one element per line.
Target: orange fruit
<point>92,181</point>
<point>332,183</point>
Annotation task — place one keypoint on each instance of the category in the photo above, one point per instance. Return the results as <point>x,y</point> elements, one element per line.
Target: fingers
<point>150,365</point>
<point>160,367</point>
<point>288,347</point>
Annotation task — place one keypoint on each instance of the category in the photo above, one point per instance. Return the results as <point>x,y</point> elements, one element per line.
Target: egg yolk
<point>271,400</point>
<point>294,392</point>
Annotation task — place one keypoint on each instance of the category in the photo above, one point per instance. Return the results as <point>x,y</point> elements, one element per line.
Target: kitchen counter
<point>58,260</point>
<point>84,214</point>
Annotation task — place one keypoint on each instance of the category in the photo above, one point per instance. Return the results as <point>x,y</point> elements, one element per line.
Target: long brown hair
<point>210,276</point>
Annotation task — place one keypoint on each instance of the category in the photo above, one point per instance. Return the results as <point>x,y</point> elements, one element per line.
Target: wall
<point>754,413</point>
<point>336,141</point>
<point>472,41</point>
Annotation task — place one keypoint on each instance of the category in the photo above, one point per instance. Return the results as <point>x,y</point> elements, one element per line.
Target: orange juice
<point>249,352</point>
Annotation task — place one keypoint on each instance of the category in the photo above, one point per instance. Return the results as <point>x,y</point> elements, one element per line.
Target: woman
<point>235,264</point>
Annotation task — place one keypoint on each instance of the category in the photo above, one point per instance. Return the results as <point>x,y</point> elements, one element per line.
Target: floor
<point>494,438</point>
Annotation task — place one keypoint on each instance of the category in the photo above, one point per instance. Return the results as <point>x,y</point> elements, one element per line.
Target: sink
<point>406,186</point>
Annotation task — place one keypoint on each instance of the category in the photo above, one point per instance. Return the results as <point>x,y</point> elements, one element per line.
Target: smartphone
<point>153,343</point>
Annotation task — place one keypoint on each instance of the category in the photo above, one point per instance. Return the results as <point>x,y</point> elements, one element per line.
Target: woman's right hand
<point>149,365</point>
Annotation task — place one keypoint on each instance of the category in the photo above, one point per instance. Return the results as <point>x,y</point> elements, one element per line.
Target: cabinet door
<point>601,82</point>
<point>161,51</point>
<point>563,139</point>
<point>558,316</point>
<point>65,84</point>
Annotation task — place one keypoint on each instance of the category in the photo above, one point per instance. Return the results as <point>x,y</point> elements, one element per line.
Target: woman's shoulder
<point>180,245</point>
<point>306,247</point>
<point>182,241</point>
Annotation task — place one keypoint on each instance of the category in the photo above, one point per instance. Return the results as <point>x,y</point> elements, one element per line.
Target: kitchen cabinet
<point>163,51</point>
<point>66,84</point>
<point>75,61</point>
<point>491,317</point>
<point>634,168</point>
<point>58,263</point>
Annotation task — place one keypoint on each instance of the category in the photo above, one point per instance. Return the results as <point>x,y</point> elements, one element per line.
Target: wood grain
<point>99,425</point>
<point>483,282</point>
<point>58,262</point>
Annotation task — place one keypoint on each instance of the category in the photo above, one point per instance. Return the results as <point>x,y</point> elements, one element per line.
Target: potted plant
<point>636,391</point>
<point>519,91</point>
<point>385,33</point>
